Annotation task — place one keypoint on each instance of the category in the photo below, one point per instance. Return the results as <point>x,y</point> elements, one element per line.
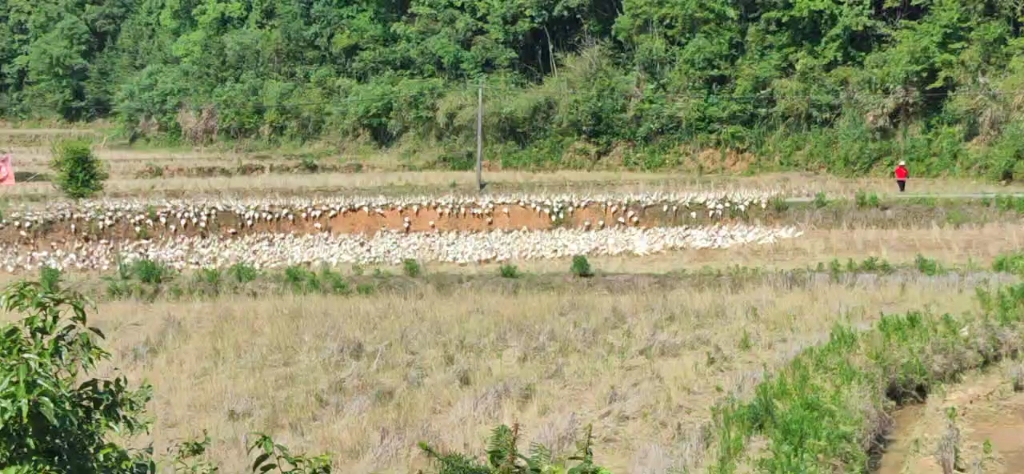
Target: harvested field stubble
<point>379,171</point>
<point>368,377</point>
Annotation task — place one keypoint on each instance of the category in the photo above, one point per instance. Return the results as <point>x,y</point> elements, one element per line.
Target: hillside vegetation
<point>842,86</point>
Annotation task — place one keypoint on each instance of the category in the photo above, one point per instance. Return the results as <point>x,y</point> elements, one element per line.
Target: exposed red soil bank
<point>363,222</point>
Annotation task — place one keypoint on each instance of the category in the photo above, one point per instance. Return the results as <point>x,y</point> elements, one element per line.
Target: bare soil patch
<point>988,421</point>
<point>364,221</point>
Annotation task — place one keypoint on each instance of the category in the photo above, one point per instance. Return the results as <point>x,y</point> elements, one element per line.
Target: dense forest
<point>846,86</point>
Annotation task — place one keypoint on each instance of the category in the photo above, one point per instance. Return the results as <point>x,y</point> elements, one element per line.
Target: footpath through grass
<point>828,409</point>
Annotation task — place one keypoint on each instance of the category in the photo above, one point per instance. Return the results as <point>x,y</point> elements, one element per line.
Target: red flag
<point>6,171</point>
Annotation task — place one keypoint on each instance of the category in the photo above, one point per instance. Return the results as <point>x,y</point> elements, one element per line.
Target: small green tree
<point>581,267</point>
<point>77,171</point>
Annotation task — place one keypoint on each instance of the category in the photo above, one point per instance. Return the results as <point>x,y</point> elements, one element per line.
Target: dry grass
<point>368,377</point>
<point>387,176</point>
<point>561,181</point>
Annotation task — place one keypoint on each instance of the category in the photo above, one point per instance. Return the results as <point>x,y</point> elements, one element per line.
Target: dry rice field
<point>366,375</point>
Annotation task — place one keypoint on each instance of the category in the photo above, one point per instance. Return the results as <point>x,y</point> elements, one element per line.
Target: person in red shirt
<point>901,175</point>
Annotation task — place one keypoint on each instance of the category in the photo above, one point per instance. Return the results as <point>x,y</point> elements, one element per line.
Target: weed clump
<point>504,456</point>
<point>509,271</point>
<point>242,273</point>
<point>866,200</point>
<point>1009,263</point>
<point>820,200</point>
<point>581,267</point>
<point>411,268</point>
<point>49,278</point>
<point>928,266</point>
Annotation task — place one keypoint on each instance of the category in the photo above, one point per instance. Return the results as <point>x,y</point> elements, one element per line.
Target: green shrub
<point>581,267</point>
<point>1010,263</point>
<point>208,281</point>
<point>874,264</point>
<point>242,273</point>
<point>49,278</point>
<point>333,282</point>
<point>151,272</point>
<point>928,266</point>
<point>411,268</point>
<point>745,343</point>
<point>310,163</point>
<point>835,269</point>
<point>865,200</point>
<point>77,172</point>
<point>301,280</point>
<point>509,271</point>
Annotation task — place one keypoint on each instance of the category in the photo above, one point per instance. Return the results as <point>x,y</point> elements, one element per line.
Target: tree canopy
<point>842,85</point>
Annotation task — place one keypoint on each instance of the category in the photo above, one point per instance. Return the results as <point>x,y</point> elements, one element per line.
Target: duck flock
<point>274,232</point>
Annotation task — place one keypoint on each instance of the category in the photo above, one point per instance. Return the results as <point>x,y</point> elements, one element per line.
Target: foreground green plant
<point>56,416</point>
<point>504,457</point>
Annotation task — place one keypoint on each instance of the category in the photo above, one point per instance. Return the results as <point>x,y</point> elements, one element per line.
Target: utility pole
<point>480,137</point>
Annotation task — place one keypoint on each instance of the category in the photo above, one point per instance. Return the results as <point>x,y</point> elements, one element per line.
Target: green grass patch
<point>1009,263</point>
<point>826,410</point>
<point>580,267</point>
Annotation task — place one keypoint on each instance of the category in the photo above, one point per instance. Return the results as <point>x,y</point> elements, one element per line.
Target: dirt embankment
<point>365,222</point>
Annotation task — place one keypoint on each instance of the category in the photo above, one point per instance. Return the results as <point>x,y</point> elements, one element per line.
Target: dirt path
<point>988,421</point>
<point>798,200</point>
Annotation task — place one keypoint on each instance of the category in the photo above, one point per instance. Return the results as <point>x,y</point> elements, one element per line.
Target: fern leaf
<point>453,463</point>
<point>501,446</point>
<point>540,456</point>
